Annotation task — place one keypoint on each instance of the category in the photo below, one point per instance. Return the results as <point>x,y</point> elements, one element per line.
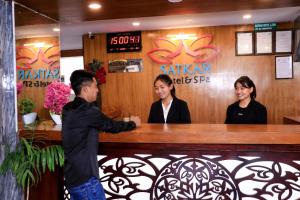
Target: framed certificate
<point>284,41</point>
<point>263,42</point>
<point>283,67</point>
<point>297,45</point>
<point>244,43</point>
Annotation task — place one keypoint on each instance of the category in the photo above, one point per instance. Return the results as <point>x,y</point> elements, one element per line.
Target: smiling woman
<point>246,110</point>
<point>168,109</point>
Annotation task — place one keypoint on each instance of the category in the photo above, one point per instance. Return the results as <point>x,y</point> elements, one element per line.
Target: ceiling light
<point>94,6</point>
<point>175,1</point>
<point>136,23</point>
<point>56,29</point>
<point>248,16</point>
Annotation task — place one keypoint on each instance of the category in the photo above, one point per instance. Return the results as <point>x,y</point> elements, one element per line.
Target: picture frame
<point>297,45</point>
<point>244,43</point>
<point>283,41</point>
<point>125,65</point>
<point>284,67</point>
<point>264,42</point>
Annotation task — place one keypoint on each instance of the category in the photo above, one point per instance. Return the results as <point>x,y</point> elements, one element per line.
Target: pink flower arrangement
<point>57,95</point>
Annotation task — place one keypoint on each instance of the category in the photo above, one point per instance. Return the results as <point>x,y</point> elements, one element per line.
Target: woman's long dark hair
<point>246,82</point>
<point>167,80</point>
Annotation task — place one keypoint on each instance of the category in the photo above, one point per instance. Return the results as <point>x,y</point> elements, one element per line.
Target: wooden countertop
<point>194,134</point>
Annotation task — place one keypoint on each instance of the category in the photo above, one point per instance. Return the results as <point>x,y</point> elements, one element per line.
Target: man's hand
<point>136,120</point>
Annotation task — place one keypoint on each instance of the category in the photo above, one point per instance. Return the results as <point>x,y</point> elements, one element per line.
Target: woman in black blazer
<point>168,109</point>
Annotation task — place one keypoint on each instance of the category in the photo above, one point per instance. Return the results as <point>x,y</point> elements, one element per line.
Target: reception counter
<point>198,161</point>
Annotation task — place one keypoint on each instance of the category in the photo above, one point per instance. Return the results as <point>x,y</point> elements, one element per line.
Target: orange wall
<point>133,92</point>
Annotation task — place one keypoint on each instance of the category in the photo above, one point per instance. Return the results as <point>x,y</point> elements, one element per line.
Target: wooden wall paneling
<point>50,187</point>
<point>120,91</point>
<point>134,93</point>
<point>71,53</point>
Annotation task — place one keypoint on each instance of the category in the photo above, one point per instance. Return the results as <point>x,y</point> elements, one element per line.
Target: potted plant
<point>30,159</point>
<point>26,107</point>
<point>57,95</point>
<point>96,67</point>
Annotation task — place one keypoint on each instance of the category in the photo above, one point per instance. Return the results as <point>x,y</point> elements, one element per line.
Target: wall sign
<point>186,73</point>
<point>193,50</point>
<point>265,26</point>
<point>37,66</point>
<point>124,42</point>
<point>125,65</point>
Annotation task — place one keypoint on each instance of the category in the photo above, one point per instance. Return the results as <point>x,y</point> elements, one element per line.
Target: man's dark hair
<point>80,78</point>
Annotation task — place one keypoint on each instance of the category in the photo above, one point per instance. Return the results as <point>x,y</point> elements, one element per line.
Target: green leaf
<point>44,160</point>
<point>30,158</point>
<point>37,160</point>
<point>55,154</point>
<point>26,105</point>
<point>61,157</point>
<point>27,178</point>
<point>50,160</point>
<point>27,146</point>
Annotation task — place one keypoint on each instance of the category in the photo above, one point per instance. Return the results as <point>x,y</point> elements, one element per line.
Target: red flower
<point>98,70</point>
<point>100,75</point>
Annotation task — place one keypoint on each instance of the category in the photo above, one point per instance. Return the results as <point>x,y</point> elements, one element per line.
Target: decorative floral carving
<point>170,177</point>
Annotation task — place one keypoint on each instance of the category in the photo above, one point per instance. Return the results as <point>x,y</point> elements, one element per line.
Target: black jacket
<point>178,113</point>
<point>81,123</point>
<point>254,113</point>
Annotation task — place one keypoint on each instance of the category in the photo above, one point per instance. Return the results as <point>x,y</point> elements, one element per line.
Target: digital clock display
<point>124,42</point>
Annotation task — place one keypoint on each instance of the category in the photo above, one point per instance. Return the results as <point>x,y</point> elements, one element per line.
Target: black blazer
<point>178,113</point>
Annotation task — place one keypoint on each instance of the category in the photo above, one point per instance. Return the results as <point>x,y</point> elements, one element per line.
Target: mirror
<point>37,59</point>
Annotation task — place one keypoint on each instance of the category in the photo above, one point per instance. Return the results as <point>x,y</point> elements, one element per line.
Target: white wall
<point>68,65</point>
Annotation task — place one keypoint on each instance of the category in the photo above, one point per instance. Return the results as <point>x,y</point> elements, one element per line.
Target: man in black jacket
<point>81,123</point>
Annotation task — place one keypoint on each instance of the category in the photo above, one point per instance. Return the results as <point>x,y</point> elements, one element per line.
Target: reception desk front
<point>198,161</point>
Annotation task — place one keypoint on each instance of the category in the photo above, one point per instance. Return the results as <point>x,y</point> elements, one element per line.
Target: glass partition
<point>37,59</point>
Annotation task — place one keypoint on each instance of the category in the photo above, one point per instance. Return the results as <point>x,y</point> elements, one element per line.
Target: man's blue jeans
<point>90,190</point>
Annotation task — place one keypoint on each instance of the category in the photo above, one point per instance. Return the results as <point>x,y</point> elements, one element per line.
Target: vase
<point>56,118</point>
<point>29,118</point>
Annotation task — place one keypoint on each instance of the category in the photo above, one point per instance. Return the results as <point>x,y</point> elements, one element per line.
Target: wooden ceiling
<point>24,17</point>
<point>75,11</point>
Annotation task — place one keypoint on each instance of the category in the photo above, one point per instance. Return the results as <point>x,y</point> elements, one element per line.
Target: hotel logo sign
<point>193,50</point>
<point>202,54</point>
<point>46,61</point>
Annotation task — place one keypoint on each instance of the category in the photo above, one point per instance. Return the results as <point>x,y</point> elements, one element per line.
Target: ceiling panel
<point>75,11</point>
